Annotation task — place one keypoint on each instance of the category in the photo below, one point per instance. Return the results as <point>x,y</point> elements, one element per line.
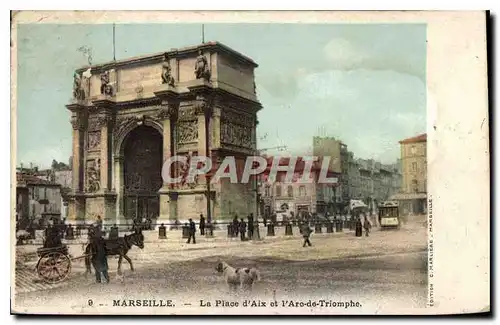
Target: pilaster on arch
<point>126,125</point>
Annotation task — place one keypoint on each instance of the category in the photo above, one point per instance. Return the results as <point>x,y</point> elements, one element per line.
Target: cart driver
<point>53,238</point>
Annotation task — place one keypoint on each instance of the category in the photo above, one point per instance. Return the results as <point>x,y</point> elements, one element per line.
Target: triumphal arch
<point>130,116</point>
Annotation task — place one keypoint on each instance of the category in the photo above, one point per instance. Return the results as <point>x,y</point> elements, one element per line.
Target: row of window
<point>289,191</point>
<point>414,167</point>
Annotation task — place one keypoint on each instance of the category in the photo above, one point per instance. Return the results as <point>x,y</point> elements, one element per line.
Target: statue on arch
<point>106,88</point>
<point>78,92</point>
<point>166,74</point>
<point>201,68</point>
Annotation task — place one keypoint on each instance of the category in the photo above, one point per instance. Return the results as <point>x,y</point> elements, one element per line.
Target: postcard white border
<point>458,143</point>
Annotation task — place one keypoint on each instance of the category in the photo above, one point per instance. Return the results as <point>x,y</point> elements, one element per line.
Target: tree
<point>59,165</point>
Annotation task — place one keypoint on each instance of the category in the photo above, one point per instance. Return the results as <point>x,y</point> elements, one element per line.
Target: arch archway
<point>142,163</point>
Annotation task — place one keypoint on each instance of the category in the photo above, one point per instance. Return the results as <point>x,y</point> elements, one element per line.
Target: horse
<point>119,246</point>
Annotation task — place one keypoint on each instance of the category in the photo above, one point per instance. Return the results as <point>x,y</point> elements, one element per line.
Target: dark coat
<point>99,258</point>
<point>202,222</point>
<point>243,226</point>
<point>192,227</point>
<point>306,231</point>
<point>250,223</point>
<point>52,237</point>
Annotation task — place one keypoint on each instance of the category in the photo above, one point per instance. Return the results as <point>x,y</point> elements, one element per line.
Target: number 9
<point>91,302</point>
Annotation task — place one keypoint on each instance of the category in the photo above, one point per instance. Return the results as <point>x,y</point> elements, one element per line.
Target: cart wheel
<point>54,267</point>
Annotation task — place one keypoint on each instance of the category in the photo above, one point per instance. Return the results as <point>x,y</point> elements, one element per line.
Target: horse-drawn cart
<point>54,263</point>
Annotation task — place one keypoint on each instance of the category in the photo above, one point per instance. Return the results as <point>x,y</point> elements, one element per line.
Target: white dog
<point>243,278</point>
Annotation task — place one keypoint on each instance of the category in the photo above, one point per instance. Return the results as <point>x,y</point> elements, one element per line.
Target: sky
<point>361,83</point>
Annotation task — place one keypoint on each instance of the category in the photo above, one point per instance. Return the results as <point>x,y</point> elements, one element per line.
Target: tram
<point>388,215</point>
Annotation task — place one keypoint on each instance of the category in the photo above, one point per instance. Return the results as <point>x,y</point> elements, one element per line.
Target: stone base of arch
<point>103,205</point>
<point>84,208</point>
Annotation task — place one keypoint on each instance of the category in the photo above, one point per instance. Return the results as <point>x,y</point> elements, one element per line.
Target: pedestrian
<point>306,233</point>
<point>192,231</point>
<point>98,230</point>
<point>265,219</point>
<point>202,224</point>
<point>250,226</point>
<point>359,228</point>
<point>243,229</point>
<point>367,226</point>
<point>90,233</point>
<point>100,259</point>
<point>236,225</point>
<point>99,222</point>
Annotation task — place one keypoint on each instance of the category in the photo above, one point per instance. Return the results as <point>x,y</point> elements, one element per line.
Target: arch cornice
<point>124,125</point>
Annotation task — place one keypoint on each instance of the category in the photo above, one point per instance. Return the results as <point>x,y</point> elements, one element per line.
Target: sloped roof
<point>23,179</point>
<point>418,138</point>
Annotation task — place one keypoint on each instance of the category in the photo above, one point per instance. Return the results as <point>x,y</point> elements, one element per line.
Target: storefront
<point>411,203</point>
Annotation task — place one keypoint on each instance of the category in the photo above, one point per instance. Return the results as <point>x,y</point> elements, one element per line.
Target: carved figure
<point>236,135</point>
<point>201,69</point>
<point>94,140</point>
<point>166,74</point>
<point>93,176</point>
<point>106,88</point>
<point>78,92</point>
<point>187,131</point>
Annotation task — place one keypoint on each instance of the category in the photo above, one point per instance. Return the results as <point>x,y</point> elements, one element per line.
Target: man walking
<point>99,258</point>
<point>192,231</point>
<point>236,225</point>
<point>250,226</point>
<point>202,224</point>
<point>306,233</point>
<point>243,229</point>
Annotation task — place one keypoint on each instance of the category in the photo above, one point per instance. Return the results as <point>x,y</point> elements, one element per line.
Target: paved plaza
<point>385,264</point>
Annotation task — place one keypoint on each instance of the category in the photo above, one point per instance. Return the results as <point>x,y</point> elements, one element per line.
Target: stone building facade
<point>413,194</point>
<point>130,116</point>
<point>285,197</point>
<point>37,199</point>
<point>359,179</point>
<point>373,182</point>
<point>332,198</point>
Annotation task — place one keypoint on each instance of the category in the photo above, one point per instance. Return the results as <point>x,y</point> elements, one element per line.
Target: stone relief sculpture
<point>78,91</point>
<point>94,140</point>
<point>201,69</point>
<point>166,73</point>
<point>237,135</point>
<point>187,131</point>
<point>75,122</point>
<point>166,112</point>
<point>239,118</point>
<point>93,175</point>
<point>106,88</point>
